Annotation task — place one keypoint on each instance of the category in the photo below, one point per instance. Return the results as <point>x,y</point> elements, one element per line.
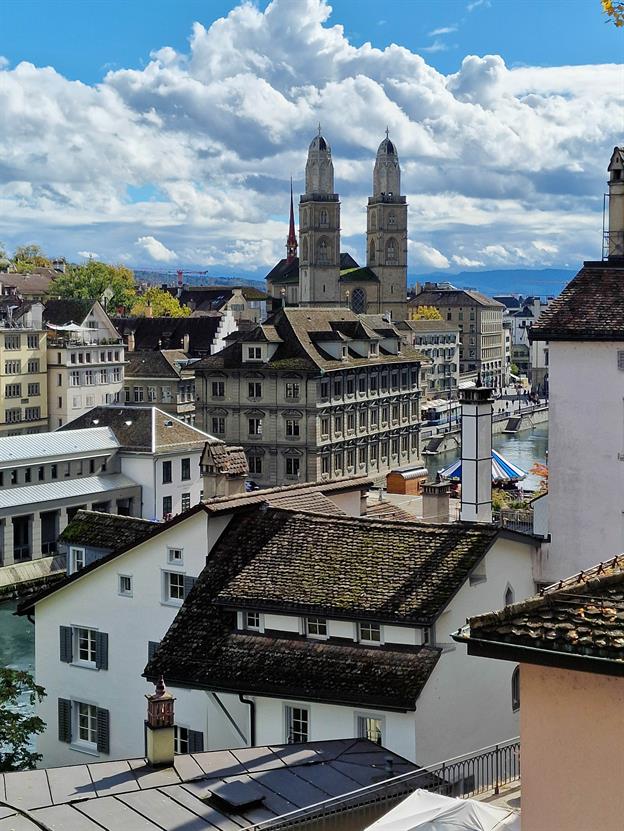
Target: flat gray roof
<point>43,447</point>
<point>31,495</point>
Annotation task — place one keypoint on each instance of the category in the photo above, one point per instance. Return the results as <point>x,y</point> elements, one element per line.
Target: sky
<point>164,134</point>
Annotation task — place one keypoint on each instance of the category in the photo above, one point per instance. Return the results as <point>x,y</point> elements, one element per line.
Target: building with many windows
<point>439,343</point>
<point>85,359</point>
<point>479,320</point>
<point>314,393</point>
<point>165,377</point>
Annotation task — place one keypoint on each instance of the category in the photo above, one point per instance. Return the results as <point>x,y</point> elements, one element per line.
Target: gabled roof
<point>228,460</point>
<point>154,333</point>
<point>591,307</point>
<point>62,312</point>
<point>577,623</point>
<point>426,326</point>
<point>108,531</point>
<point>453,297</point>
<point>360,274</point>
<point>35,282</point>
<point>285,272</point>
<point>163,363</point>
<point>142,429</point>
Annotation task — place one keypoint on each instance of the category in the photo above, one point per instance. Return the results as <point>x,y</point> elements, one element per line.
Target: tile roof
<point>426,326</point>
<point>284,273</point>
<point>113,531</point>
<point>228,460</point>
<point>142,429</point>
<point>313,501</point>
<point>580,619</point>
<point>92,440</point>
<point>591,307</point>
<point>153,333</point>
<point>35,282</point>
<point>162,363</point>
<point>61,312</point>
<point>203,649</point>
<point>388,510</point>
<point>369,568</point>
<point>128,794</point>
<point>453,297</point>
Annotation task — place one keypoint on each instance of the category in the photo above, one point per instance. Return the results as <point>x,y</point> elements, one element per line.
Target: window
<point>33,341</point>
<point>88,379</point>
<point>74,378</point>
<point>34,389</point>
<point>254,353</point>
<point>362,455</point>
<point>218,425</point>
<point>12,342</point>
<point>395,412</point>
<point>324,389</point>
<point>255,426</point>
<point>33,366</point>
<point>371,728</point>
<point>350,386</point>
<point>252,620</point>
<point>362,419</point>
<point>174,587</point>
<point>185,501</point>
<point>180,739</point>
<point>292,466</point>
<point>13,415</point>
<point>12,367</point>
<point>117,373</point>
<point>14,477</point>
<point>151,394</point>
<point>292,427</point>
<point>325,464</point>
<point>509,595</point>
<point>13,390</point>
<point>53,472</point>
<point>316,627</point>
<point>369,632</point>
<point>255,390</point>
<point>297,724</point>
<point>515,690</point>
<point>185,469</point>
<point>139,392</point>
<point>126,394</point>
<point>41,473</point>
<point>85,645</point>
<point>292,390</point>
<point>86,723</point>
<point>255,464</point>
<point>338,388</point>
<point>167,506</point>
<point>125,585</point>
<point>350,421</point>
<point>166,473</point>
<point>338,424</point>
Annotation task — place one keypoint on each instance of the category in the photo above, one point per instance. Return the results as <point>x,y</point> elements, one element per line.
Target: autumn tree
<point>162,303</point>
<point>30,256</point>
<point>425,313</point>
<point>16,727</point>
<point>91,280</point>
<point>614,9</point>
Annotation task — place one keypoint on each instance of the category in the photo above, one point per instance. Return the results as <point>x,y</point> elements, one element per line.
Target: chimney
<point>186,343</point>
<point>436,501</point>
<point>131,342</point>
<point>615,235</point>
<point>159,726</point>
<point>476,454</point>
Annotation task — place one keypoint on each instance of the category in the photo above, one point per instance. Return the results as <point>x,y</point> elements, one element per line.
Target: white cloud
<point>4,62</point>
<point>436,46</point>
<point>444,30</point>
<point>494,160</point>
<point>156,250</point>
<point>88,255</point>
<point>466,262</point>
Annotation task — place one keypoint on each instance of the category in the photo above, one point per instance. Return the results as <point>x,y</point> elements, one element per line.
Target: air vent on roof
<point>128,423</point>
<point>168,423</point>
<point>96,421</point>
<point>236,796</point>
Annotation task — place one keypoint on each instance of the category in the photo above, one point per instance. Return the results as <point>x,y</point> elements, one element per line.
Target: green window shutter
<point>103,730</point>
<point>189,582</point>
<point>101,650</point>
<point>65,633</point>
<point>64,720</point>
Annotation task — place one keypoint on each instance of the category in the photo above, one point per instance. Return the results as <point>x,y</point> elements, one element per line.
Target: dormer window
<point>345,353</point>
<point>373,350</point>
<point>254,353</point>
<point>369,633</point>
<point>251,620</point>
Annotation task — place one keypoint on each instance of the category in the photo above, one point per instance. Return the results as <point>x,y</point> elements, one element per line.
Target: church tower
<point>386,236</point>
<point>319,230</point>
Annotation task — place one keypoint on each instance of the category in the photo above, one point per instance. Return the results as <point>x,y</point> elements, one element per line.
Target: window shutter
<point>196,741</point>
<point>101,650</point>
<point>189,582</point>
<point>103,730</point>
<point>66,644</point>
<point>64,720</point>
<point>152,646</point>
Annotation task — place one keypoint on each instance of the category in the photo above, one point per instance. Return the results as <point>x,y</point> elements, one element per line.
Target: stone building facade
<point>439,342</point>
<point>313,394</point>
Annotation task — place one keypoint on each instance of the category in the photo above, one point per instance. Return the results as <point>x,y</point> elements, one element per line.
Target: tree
<point>16,728</point>
<point>90,280</point>
<point>615,10</point>
<point>163,304</point>
<point>514,370</point>
<point>426,313</point>
<point>30,256</point>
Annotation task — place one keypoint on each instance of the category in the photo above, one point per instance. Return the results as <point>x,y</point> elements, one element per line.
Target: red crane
<point>180,275</point>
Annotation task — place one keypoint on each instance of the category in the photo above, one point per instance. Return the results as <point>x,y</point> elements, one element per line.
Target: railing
<point>469,775</point>
<point>21,553</point>
<point>515,520</point>
<point>48,548</point>
<point>612,244</point>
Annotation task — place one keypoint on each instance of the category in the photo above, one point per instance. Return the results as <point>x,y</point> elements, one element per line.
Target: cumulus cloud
<point>466,262</point>
<point>494,160</point>
<point>156,250</point>
<point>88,255</point>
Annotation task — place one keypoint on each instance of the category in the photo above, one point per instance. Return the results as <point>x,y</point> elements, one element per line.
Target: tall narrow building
<point>319,230</point>
<point>386,236</point>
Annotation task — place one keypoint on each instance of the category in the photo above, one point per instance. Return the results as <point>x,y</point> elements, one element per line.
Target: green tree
<point>15,727</point>
<point>90,280</point>
<point>163,304</point>
<point>30,256</point>
<point>425,313</point>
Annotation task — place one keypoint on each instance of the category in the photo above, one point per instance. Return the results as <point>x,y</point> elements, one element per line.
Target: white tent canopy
<point>425,811</point>
<point>68,327</point>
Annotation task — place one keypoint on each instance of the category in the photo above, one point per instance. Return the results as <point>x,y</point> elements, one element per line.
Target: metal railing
<point>514,519</point>
<point>487,769</point>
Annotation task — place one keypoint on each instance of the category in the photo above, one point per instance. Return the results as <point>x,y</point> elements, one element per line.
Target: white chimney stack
<point>476,454</point>
<point>616,204</point>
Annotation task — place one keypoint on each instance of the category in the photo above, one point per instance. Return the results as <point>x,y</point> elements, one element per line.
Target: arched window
<point>515,690</point>
<point>392,220</point>
<point>358,301</point>
<point>392,252</point>
<point>509,595</point>
<point>323,220</point>
<point>374,221</point>
<point>323,251</point>
<point>371,252</point>
<point>304,251</point>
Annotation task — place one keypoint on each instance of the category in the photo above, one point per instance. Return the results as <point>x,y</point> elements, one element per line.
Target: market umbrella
<point>502,470</point>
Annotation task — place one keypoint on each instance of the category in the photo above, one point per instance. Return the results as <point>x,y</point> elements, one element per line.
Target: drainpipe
<point>252,718</point>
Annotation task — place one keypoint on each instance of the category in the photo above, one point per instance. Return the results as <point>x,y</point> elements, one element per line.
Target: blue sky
<point>165,133</point>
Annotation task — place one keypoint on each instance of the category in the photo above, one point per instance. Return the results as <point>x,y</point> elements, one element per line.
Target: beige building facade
<point>23,375</point>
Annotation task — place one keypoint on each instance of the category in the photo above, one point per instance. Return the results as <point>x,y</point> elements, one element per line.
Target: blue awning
<point>502,470</point>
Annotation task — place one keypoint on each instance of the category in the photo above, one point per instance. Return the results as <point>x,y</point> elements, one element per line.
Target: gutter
<point>252,718</point>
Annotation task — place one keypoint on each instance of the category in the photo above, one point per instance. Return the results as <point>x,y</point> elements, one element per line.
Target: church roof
<point>361,274</point>
<point>387,148</point>
<point>286,272</point>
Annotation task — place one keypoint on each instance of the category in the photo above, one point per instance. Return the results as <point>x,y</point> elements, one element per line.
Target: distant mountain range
<point>544,282</point>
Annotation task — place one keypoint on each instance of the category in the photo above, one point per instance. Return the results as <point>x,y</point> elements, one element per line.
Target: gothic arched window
<point>304,251</point>
<point>358,301</point>
<point>323,251</point>
<point>323,220</point>
<point>371,252</point>
<point>509,595</point>
<point>392,220</point>
<point>392,252</point>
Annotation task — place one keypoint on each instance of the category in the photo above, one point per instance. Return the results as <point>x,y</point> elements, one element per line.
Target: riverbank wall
<point>441,442</point>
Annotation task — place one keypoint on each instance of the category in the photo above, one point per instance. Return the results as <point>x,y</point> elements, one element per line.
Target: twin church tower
<point>323,277</point>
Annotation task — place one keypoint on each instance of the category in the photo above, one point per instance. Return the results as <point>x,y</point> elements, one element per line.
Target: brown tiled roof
<point>579,618</point>
<point>453,297</point>
<point>202,647</point>
<point>229,460</point>
<point>591,307</point>
<point>35,282</point>
<point>164,363</point>
<point>426,326</point>
<point>351,566</point>
<point>100,530</point>
<point>313,501</point>
<point>388,510</point>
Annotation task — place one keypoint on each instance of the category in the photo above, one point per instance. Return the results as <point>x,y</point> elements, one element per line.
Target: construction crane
<point>180,275</point>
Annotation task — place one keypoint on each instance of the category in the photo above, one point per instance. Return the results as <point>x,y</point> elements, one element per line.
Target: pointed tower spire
<point>291,242</point>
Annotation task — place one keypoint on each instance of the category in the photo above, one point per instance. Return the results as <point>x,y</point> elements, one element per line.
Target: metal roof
<point>128,794</point>
<point>16,450</point>
<point>30,495</point>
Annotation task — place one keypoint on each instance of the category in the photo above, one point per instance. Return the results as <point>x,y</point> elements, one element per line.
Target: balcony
<point>76,341</point>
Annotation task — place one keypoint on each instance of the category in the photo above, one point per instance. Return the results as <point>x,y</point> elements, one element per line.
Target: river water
<point>17,634</point>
